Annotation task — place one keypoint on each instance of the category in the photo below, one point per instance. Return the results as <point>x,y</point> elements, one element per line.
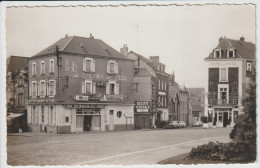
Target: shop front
<point>223,117</point>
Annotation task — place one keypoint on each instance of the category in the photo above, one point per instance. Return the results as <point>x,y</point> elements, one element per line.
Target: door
<point>225,119</point>
<point>79,123</point>
<point>111,120</point>
<point>87,123</point>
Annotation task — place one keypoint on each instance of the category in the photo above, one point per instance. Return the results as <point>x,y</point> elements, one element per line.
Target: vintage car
<point>172,124</point>
<point>182,124</point>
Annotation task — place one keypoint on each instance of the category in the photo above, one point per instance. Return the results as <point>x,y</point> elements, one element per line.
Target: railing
<point>223,102</point>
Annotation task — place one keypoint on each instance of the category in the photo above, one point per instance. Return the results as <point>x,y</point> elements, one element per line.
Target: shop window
<point>67,119</point>
<point>119,114</point>
<point>220,117</point>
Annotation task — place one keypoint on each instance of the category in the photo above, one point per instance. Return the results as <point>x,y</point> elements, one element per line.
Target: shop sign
<point>81,98</point>
<point>161,93</point>
<point>219,63</point>
<point>94,98</point>
<point>84,106</point>
<point>42,101</point>
<point>142,106</point>
<point>112,98</point>
<point>101,84</point>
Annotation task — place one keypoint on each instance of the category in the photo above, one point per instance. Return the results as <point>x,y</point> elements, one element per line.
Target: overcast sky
<point>181,35</point>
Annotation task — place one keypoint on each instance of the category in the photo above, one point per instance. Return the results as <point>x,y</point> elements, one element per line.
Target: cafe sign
<point>142,106</point>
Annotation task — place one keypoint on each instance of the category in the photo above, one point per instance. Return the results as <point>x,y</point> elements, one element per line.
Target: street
<point>107,148</point>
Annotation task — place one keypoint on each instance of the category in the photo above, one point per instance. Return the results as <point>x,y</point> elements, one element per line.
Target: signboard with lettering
<point>100,84</point>
<point>220,64</point>
<point>84,105</point>
<point>142,106</point>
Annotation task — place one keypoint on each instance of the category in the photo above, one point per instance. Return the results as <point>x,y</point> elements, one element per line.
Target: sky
<point>181,35</point>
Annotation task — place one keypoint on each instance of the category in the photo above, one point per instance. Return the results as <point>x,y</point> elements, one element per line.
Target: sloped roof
<point>82,45</point>
<point>195,91</point>
<point>196,107</point>
<point>15,63</point>
<point>243,49</point>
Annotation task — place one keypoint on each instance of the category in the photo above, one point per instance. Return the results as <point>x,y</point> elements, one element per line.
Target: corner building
<point>229,69</point>
<point>80,84</point>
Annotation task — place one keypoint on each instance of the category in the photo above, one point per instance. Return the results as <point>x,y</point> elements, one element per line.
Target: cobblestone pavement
<point>104,148</point>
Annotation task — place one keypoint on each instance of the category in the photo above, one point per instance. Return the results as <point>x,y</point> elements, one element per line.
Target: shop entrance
<point>87,123</point>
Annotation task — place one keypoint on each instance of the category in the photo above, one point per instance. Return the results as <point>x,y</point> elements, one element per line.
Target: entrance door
<point>111,120</point>
<point>225,119</point>
<point>87,123</point>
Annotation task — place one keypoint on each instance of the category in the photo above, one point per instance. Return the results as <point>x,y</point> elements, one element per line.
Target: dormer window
<point>231,53</point>
<point>217,53</point>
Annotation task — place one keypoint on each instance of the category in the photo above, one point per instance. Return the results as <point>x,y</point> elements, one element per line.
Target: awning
<point>13,115</point>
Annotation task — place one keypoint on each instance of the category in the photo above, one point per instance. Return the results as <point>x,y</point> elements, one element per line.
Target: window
<point>88,65</point>
<point>119,114</point>
<point>112,88</point>
<point>88,87</point>
<point>159,84</point>
<point>34,68</point>
<point>42,114</point>
<point>42,88</point>
<point>223,74</point>
<point>165,85</point>
<point>231,53</point>
<point>20,99</point>
<point>217,53</point>
<point>112,67</point>
<point>67,119</point>
<point>52,87</point>
<point>111,112</point>
<point>249,66</point>
<point>42,67</point>
<point>51,69</point>
<point>162,85</point>
<point>165,102</point>
<point>34,89</point>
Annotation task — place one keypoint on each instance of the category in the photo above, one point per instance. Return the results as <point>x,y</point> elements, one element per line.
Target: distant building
<point>197,102</point>
<point>229,68</point>
<point>150,88</point>
<point>16,93</point>
<point>80,84</point>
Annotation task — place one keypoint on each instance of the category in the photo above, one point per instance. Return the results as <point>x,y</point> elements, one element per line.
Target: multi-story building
<point>150,90</point>
<point>197,102</point>
<point>80,84</point>
<point>229,68</point>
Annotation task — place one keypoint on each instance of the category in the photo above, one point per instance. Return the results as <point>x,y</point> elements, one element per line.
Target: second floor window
<point>112,67</point>
<point>34,89</point>
<point>42,67</point>
<point>88,65</point>
<point>51,70</point>
<point>52,88</point>
<point>88,87</point>
<point>112,88</point>
<point>223,74</point>
<point>249,66</point>
<point>42,88</point>
<point>34,68</point>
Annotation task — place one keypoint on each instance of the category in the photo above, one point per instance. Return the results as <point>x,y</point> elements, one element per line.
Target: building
<point>229,68</point>
<point>180,108</point>
<point>197,102</point>
<point>16,93</point>
<point>80,84</point>
<point>150,89</point>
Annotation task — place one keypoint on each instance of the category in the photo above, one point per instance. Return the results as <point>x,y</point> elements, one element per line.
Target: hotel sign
<point>223,64</point>
<point>142,106</point>
<point>84,106</point>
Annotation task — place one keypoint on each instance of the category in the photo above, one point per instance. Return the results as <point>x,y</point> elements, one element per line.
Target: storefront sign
<point>161,93</point>
<point>219,63</point>
<point>41,101</point>
<point>112,98</point>
<point>84,106</point>
<point>102,76</point>
<point>81,98</point>
<point>142,106</point>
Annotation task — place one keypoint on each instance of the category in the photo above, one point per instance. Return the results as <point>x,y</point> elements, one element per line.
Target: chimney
<point>124,50</point>
<point>91,36</point>
<point>154,59</point>
<point>66,35</point>
<point>220,39</point>
<point>242,39</point>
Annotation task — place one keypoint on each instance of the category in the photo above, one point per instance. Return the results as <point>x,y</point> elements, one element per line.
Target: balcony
<point>223,102</point>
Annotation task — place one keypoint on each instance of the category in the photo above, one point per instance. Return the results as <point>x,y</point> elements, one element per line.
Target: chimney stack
<point>242,39</point>
<point>124,50</point>
<point>91,36</point>
<point>66,35</point>
<point>154,59</point>
<point>220,39</point>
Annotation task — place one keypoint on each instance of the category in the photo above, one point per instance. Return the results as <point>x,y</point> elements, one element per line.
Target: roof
<point>243,49</point>
<point>196,107</point>
<point>195,91</point>
<point>15,63</point>
<point>84,46</point>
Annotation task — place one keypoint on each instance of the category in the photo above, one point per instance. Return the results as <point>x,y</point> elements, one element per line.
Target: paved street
<point>107,148</point>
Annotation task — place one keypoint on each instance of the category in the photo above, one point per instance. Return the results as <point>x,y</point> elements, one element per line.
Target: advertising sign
<point>142,106</point>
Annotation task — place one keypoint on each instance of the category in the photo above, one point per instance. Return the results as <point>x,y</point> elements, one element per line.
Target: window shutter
<point>38,89</point>
<point>84,65</point>
<point>30,89</point>
<point>116,68</point>
<point>107,88</point>
<point>83,87</point>
<point>108,67</point>
<point>117,89</point>
<point>47,88</point>
<point>93,68</point>
<point>54,87</point>
<point>94,88</point>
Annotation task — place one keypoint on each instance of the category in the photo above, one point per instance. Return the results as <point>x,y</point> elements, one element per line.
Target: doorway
<point>87,123</point>
<point>225,119</point>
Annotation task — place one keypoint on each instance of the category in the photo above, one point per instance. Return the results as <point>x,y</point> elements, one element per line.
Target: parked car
<point>172,124</point>
<point>197,124</point>
<point>182,124</point>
